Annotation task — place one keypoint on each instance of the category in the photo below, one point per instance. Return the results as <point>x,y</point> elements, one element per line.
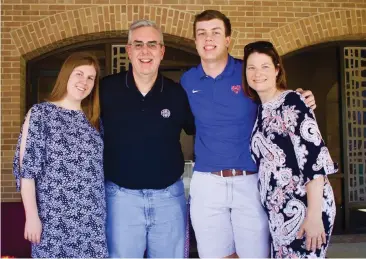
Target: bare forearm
<point>314,196</point>
<point>28,192</point>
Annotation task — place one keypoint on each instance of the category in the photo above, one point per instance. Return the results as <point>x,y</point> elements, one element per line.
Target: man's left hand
<point>309,97</point>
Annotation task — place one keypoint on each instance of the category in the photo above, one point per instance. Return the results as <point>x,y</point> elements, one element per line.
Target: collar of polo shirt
<point>158,86</point>
<point>228,71</point>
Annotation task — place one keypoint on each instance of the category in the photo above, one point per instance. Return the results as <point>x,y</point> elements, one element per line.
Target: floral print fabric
<point>64,155</point>
<point>289,151</point>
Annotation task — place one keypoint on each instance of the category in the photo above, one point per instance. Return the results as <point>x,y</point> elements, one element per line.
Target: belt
<point>232,172</point>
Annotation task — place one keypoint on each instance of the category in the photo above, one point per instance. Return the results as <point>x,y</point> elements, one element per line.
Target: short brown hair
<point>264,47</point>
<point>209,15</point>
<point>90,104</point>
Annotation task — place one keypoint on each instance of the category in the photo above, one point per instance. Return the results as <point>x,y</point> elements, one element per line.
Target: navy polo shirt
<point>142,147</point>
<point>224,118</point>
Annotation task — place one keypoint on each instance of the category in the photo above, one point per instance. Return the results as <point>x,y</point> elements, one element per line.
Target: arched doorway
<point>43,70</point>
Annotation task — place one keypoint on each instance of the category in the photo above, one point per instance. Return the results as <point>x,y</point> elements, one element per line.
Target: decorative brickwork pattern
<point>31,28</point>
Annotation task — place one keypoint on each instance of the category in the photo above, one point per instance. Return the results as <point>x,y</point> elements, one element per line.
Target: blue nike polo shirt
<point>224,118</point>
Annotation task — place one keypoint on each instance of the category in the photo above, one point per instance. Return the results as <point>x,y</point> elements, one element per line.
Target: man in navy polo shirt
<point>226,212</point>
<point>143,114</point>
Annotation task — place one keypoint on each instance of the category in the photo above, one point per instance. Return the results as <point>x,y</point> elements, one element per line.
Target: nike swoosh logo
<point>195,91</point>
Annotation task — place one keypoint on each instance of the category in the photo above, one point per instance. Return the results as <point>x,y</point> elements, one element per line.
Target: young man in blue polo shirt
<point>226,212</point>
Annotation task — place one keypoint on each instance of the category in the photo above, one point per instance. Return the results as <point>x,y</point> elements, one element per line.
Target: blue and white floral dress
<point>64,155</point>
<point>289,151</point>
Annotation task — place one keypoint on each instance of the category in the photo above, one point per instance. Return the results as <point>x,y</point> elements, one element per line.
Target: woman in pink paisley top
<point>292,158</point>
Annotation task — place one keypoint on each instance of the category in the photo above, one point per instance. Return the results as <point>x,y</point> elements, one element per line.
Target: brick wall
<point>31,28</point>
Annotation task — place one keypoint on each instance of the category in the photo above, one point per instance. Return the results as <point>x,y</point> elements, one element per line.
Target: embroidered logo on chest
<point>236,88</point>
<point>165,113</point>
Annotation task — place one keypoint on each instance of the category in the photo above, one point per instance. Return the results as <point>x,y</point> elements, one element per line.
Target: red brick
<point>39,37</point>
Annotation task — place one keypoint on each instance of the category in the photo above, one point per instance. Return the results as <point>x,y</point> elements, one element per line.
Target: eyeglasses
<point>139,45</point>
<point>258,45</point>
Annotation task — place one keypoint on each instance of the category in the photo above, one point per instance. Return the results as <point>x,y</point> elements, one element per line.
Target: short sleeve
<point>311,153</point>
<point>34,151</point>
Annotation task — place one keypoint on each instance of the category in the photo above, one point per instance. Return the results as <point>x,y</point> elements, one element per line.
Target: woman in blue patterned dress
<point>292,159</point>
<point>58,166</point>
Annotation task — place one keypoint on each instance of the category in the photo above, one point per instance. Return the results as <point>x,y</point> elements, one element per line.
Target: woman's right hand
<point>313,228</point>
<point>33,229</point>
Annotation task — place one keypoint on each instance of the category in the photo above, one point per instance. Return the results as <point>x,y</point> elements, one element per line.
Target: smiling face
<point>145,50</point>
<point>80,83</point>
<point>211,42</point>
<point>261,73</point>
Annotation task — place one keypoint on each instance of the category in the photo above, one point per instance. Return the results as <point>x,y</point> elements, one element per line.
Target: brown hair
<point>90,104</point>
<point>209,15</point>
<point>264,47</point>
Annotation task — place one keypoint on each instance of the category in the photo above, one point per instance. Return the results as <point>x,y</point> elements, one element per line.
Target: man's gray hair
<point>144,23</point>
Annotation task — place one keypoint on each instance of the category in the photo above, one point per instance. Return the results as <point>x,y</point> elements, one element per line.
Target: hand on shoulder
<point>308,96</point>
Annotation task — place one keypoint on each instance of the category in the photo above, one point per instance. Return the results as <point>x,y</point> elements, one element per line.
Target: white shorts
<point>227,216</point>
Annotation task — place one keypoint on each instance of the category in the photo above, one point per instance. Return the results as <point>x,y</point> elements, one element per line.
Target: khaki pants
<point>227,216</point>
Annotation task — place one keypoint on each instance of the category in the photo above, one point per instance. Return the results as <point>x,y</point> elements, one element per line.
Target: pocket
<point>176,189</point>
<point>111,189</point>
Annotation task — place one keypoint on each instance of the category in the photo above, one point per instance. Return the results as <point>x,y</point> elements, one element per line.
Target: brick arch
<point>325,27</point>
<point>99,22</point>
